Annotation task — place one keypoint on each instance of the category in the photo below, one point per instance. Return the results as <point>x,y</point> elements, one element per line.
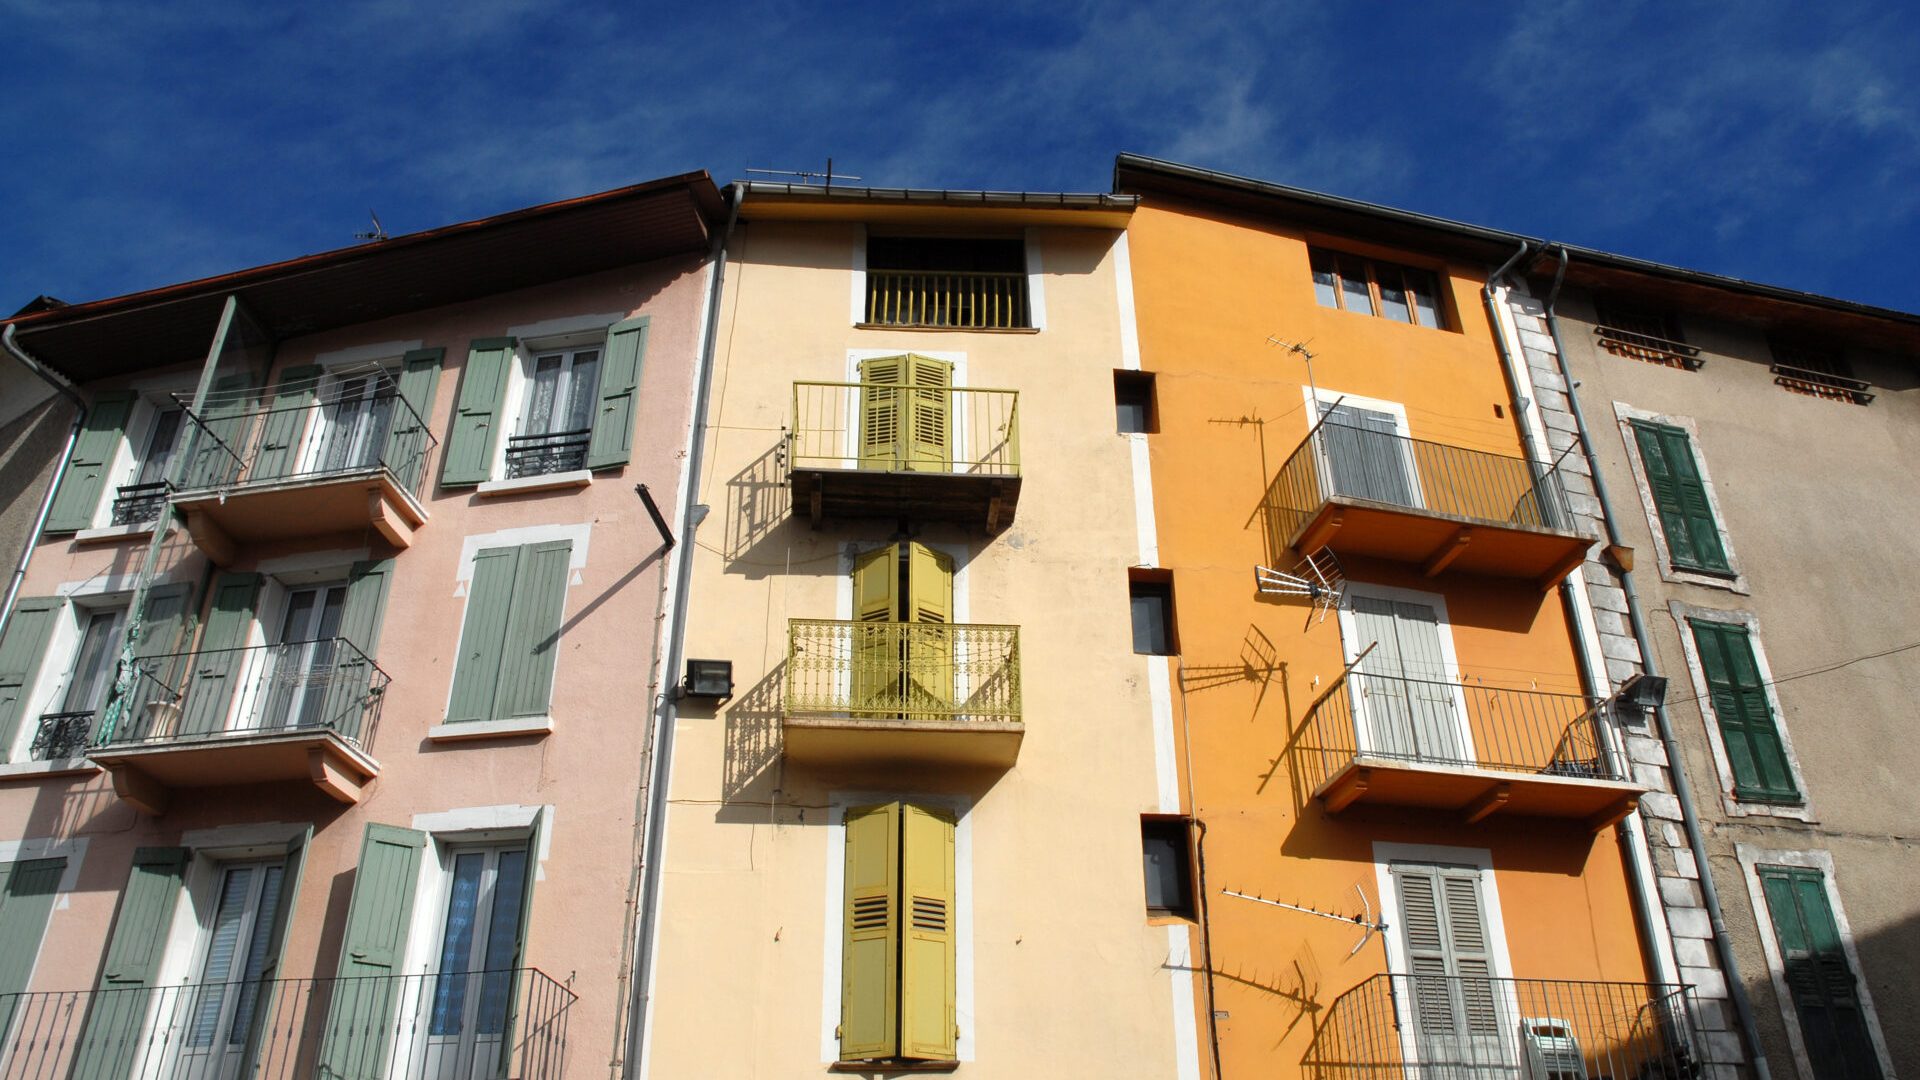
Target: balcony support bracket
<point>815,498</point>
<point>387,523</point>
<point>996,508</point>
<point>1348,789</point>
<point>1612,815</point>
<point>1560,570</point>
<point>329,777</point>
<point>1320,533</point>
<point>1493,800</point>
<point>210,538</point>
<point>138,790</point>
<point>1450,549</point>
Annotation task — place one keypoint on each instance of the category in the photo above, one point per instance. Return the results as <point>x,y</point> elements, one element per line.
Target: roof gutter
<point>67,389</point>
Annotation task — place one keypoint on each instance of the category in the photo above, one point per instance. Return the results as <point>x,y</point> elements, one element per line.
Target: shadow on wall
<point>753,742</point>
<point>758,500</point>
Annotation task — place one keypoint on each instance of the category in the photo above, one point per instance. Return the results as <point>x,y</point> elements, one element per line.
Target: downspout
<point>666,713</point>
<point>1636,854</point>
<point>60,384</point>
<point>1682,789</point>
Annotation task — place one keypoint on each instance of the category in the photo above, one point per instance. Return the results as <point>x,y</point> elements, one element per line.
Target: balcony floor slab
<point>1476,794</point>
<point>218,519</point>
<point>854,742</point>
<point>988,500</point>
<point>145,773</point>
<point>1438,542</point>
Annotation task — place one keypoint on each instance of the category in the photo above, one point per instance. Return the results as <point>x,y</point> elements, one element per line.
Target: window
<point>1679,492</point>
<point>1755,751</point>
<point>906,414</point>
<point>1450,964</point>
<point>1133,401</point>
<point>235,947</point>
<point>562,387</point>
<point>63,734</point>
<point>1370,287</point>
<point>1365,455</point>
<point>139,501</point>
<point>511,632</point>
<point>1151,598</point>
<point>971,283</point>
<point>898,941</point>
<point>480,941</point>
<point>304,656</point>
<point>1168,866</point>
<point>356,419</point>
<point>1820,980</point>
<point>1409,705</point>
<point>1816,370</point>
<point>1645,335</point>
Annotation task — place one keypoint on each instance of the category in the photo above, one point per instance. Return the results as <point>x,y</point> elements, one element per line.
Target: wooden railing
<point>968,300</point>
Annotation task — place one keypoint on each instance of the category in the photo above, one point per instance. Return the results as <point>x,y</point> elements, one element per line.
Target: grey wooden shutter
<point>1365,455</point>
<point>287,420</point>
<point>27,891</point>
<point>21,652</point>
<point>476,673</point>
<point>219,663</point>
<point>352,682</point>
<point>408,441</point>
<point>360,1024</point>
<point>475,433</point>
<point>159,665</point>
<point>85,475</point>
<point>612,441</point>
<point>1454,997</point>
<point>532,638</point>
<point>116,1015</point>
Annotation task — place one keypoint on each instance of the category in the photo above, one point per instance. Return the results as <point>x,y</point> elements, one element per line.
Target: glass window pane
<point>1353,286</point>
<point>1324,280</point>
<point>1131,416</point>
<point>1150,624</point>
<point>540,396</point>
<point>93,662</point>
<point>222,942</point>
<point>166,431</point>
<point>259,944</point>
<point>1393,296</point>
<point>456,944</point>
<point>583,386</point>
<point>503,937</point>
<point>1426,297</point>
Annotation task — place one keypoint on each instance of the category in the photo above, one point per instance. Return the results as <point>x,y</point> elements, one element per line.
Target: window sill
<point>469,730</point>
<point>947,329</point>
<point>893,1066</point>
<point>35,770</point>
<point>111,533</point>
<point>576,478</point>
<point>1168,918</point>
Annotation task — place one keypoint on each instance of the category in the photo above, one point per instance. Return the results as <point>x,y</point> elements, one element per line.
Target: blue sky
<point>153,143</point>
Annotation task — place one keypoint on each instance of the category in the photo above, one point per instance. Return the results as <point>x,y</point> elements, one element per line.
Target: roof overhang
<point>175,324</point>
<point>1657,284</point>
<point>925,207</point>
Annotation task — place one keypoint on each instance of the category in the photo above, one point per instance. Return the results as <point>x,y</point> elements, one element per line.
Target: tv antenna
<point>378,232</point>
<point>1369,925</point>
<point>1299,349</point>
<point>1317,577</point>
<point>807,177</point>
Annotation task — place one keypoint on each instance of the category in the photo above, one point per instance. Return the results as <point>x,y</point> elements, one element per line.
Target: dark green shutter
<point>21,651</point>
<point>408,439</point>
<point>286,421</point>
<point>612,442</point>
<point>1680,497</point>
<point>532,635</point>
<point>93,453</point>
<point>475,432</point>
<point>476,674</point>
<point>1821,982</point>
<point>219,662</point>
<point>219,441</point>
<point>158,660</point>
<point>27,890</point>
<point>116,1016</point>
<point>353,669</point>
<point>1747,725</point>
<point>360,1022</point>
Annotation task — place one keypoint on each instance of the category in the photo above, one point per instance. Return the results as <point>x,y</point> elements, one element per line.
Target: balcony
<point>889,693</point>
<point>948,299</point>
<point>337,463</point>
<point>304,711</point>
<point>930,453</point>
<point>1650,348</point>
<point>471,1025</point>
<point>139,504</point>
<point>1469,750</point>
<point>1365,492</point>
<point>543,455</point>
<point>62,736</point>
<point>1467,1028</point>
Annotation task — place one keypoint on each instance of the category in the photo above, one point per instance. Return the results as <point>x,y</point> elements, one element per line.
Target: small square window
<point>1152,600</point>
<point>1167,862</point>
<point>1133,402</point>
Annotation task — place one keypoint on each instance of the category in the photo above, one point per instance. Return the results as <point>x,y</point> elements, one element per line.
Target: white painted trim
<point>40,770</point>
<point>466,824</point>
<point>110,533</point>
<point>1385,854</point>
<point>253,840</point>
<point>1624,415</point>
<point>1036,280</point>
<point>289,568</point>
<point>1703,702</point>
<point>541,334</point>
<point>507,727</point>
<point>1350,646</point>
<point>99,586</point>
<point>365,354</point>
<point>1123,294</point>
<point>470,546</point>
<point>1166,770</point>
<point>73,849</point>
<point>1186,1030</point>
<point>1752,857</point>
<point>576,478</point>
<point>857,298</point>
<point>1144,525</point>
<point>836,846</point>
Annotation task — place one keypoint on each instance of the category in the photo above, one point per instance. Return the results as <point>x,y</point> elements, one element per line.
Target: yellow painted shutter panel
<point>929,414</point>
<point>870,934</point>
<point>880,413</point>
<point>928,1017</point>
<point>876,648</point>
<point>930,651</point>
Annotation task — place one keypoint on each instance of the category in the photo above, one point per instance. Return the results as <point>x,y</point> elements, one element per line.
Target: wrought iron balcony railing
<point>1430,1027</point>
<point>138,504</point>
<point>971,300</point>
<point>1822,384</point>
<point>1647,347</point>
<point>1337,460</point>
<point>334,429</point>
<point>885,427</point>
<point>903,671</point>
<point>1423,722</point>
<point>539,455</point>
<point>62,735</point>
<point>296,687</point>
<point>471,1025</point>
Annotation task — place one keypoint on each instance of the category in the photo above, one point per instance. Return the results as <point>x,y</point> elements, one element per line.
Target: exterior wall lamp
<point>711,679</point>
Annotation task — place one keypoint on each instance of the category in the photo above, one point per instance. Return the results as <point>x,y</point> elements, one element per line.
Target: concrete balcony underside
<point>1476,794</point>
<point>222,520</point>
<point>864,741</point>
<point>988,501</point>
<point>147,773</point>
<point>1438,542</point>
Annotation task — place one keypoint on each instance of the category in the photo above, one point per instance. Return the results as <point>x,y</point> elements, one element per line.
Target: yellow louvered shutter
<point>928,1018</point>
<point>930,652</point>
<point>870,934</point>
<point>929,414</point>
<point>876,647</point>
<point>880,413</point>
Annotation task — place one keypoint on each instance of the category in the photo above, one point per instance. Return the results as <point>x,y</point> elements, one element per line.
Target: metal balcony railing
<point>1653,350</point>
<point>903,671</point>
<point>1822,384</point>
<point>889,428</point>
<point>1337,460</point>
<point>299,686</point>
<point>470,1025</point>
<point>1451,724</point>
<point>539,455</point>
<point>971,300</point>
<point>235,443</point>
<point>62,735</point>
<point>138,504</point>
<point>1430,1027</point>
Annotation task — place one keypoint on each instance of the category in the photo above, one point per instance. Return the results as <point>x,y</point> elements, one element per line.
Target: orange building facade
<point>1414,836</point>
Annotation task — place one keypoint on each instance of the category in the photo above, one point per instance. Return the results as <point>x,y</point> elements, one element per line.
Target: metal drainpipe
<point>59,470</point>
<point>1682,790</point>
<point>1639,887</point>
<point>639,989</point>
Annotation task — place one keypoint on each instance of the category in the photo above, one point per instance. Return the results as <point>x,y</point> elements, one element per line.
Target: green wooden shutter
<point>881,422</point>
<point>870,934</point>
<point>1820,980</point>
<point>408,441</point>
<point>27,891</point>
<point>21,652</point>
<point>929,434</point>
<point>159,665</point>
<point>360,1024</point>
<point>218,664</point>
<point>928,958</point>
<point>219,440</point>
<point>1754,748</point>
<point>351,684</point>
<point>286,420</point>
<point>476,674</point>
<point>930,652</point>
<point>612,442</point>
<point>532,638</point>
<point>475,432</point>
<point>1680,497</point>
<point>876,681</point>
<point>85,474</point>
<point>116,1017</point>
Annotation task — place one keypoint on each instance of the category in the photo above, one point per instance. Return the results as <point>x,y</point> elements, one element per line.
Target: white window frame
<point>1752,857</point>
<point>1385,854</point>
<point>1722,765</point>
<point>154,397</point>
<point>1736,579</point>
<point>1350,646</point>
<point>314,433</point>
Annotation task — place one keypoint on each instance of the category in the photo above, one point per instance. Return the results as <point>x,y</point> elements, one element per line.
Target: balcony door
<point>470,1022</point>
<point>236,946</point>
<point>354,422</point>
<point>906,414</point>
<point>1405,699</point>
<point>1458,1012</point>
<point>304,657</point>
<point>87,684</point>
<point>1365,455</point>
<point>904,659</point>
